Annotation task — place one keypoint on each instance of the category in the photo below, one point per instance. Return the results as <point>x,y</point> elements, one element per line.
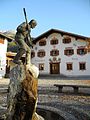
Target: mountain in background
<point>12,46</point>
<point>10,33</point>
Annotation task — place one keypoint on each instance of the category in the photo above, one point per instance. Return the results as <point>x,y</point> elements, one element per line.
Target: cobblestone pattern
<point>75,105</point>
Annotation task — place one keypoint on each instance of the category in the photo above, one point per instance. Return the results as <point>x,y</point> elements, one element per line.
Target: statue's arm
<point>22,27</point>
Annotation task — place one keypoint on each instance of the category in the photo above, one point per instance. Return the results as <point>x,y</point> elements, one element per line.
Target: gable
<point>49,32</point>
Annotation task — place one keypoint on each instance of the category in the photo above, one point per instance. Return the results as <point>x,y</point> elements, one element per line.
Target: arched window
<point>68,52</point>
<point>81,51</point>
<point>54,52</point>
<point>41,53</point>
<point>66,40</point>
<point>54,41</point>
<point>42,42</point>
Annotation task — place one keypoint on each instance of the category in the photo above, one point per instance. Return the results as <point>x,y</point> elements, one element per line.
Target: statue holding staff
<point>22,89</point>
<point>24,40</point>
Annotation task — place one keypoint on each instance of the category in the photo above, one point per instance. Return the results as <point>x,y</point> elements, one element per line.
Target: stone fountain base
<point>22,95</point>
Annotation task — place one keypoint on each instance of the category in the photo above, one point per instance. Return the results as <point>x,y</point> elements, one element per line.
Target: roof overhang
<point>46,34</point>
<point>5,36</point>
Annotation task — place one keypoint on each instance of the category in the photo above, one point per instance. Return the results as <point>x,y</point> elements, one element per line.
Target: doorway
<point>54,68</point>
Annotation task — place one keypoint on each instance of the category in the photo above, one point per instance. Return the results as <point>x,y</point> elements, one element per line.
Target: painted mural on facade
<point>63,53</point>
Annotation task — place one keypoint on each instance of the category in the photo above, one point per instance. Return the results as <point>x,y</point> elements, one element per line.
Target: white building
<point>3,49</point>
<point>59,52</point>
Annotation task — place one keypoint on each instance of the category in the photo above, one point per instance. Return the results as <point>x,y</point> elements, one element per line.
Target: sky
<point>68,15</point>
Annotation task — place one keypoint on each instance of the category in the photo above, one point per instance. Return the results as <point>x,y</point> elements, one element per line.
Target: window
<point>88,49</point>
<point>68,52</point>
<point>42,43</point>
<point>82,66</point>
<point>1,40</point>
<point>66,40</point>
<point>54,41</point>
<point>41,66</point>
<point>81,51</point>
<point>32,54</point>
<point>88,46</point>
<point>69,66</point>
<point>54,52</point>
<point>41,53</point>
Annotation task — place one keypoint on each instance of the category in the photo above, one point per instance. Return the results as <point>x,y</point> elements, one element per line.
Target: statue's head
<point>33,23</point>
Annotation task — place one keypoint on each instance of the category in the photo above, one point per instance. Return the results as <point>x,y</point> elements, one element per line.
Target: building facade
<point>63,53</point>
<point>3,49</point>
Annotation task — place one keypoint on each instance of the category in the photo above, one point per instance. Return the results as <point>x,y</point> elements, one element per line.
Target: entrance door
<point>54,68</point>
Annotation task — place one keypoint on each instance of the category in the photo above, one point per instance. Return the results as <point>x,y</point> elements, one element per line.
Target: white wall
<point>3,49</point>
<point>75,59</point>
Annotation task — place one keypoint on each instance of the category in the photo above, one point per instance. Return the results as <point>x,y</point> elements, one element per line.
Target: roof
<point>46,34</point>
<point>5,36</point>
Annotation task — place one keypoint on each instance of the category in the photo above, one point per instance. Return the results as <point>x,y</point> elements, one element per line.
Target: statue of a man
<point>24,41</point>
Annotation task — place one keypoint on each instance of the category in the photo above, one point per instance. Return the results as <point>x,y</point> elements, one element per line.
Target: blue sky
<point>67,15</point>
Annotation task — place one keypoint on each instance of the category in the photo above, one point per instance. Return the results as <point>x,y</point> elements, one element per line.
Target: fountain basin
<point>49,113</point>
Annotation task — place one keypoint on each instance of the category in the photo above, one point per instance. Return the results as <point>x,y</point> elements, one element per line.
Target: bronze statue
<point>24,40</point>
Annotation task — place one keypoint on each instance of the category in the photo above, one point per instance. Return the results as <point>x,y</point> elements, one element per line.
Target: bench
<point>75,87</point>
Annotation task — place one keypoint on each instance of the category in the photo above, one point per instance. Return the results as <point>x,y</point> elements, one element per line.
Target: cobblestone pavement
<point>72,106</point>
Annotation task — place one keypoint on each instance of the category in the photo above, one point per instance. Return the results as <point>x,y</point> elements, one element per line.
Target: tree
<point>12,46</point>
